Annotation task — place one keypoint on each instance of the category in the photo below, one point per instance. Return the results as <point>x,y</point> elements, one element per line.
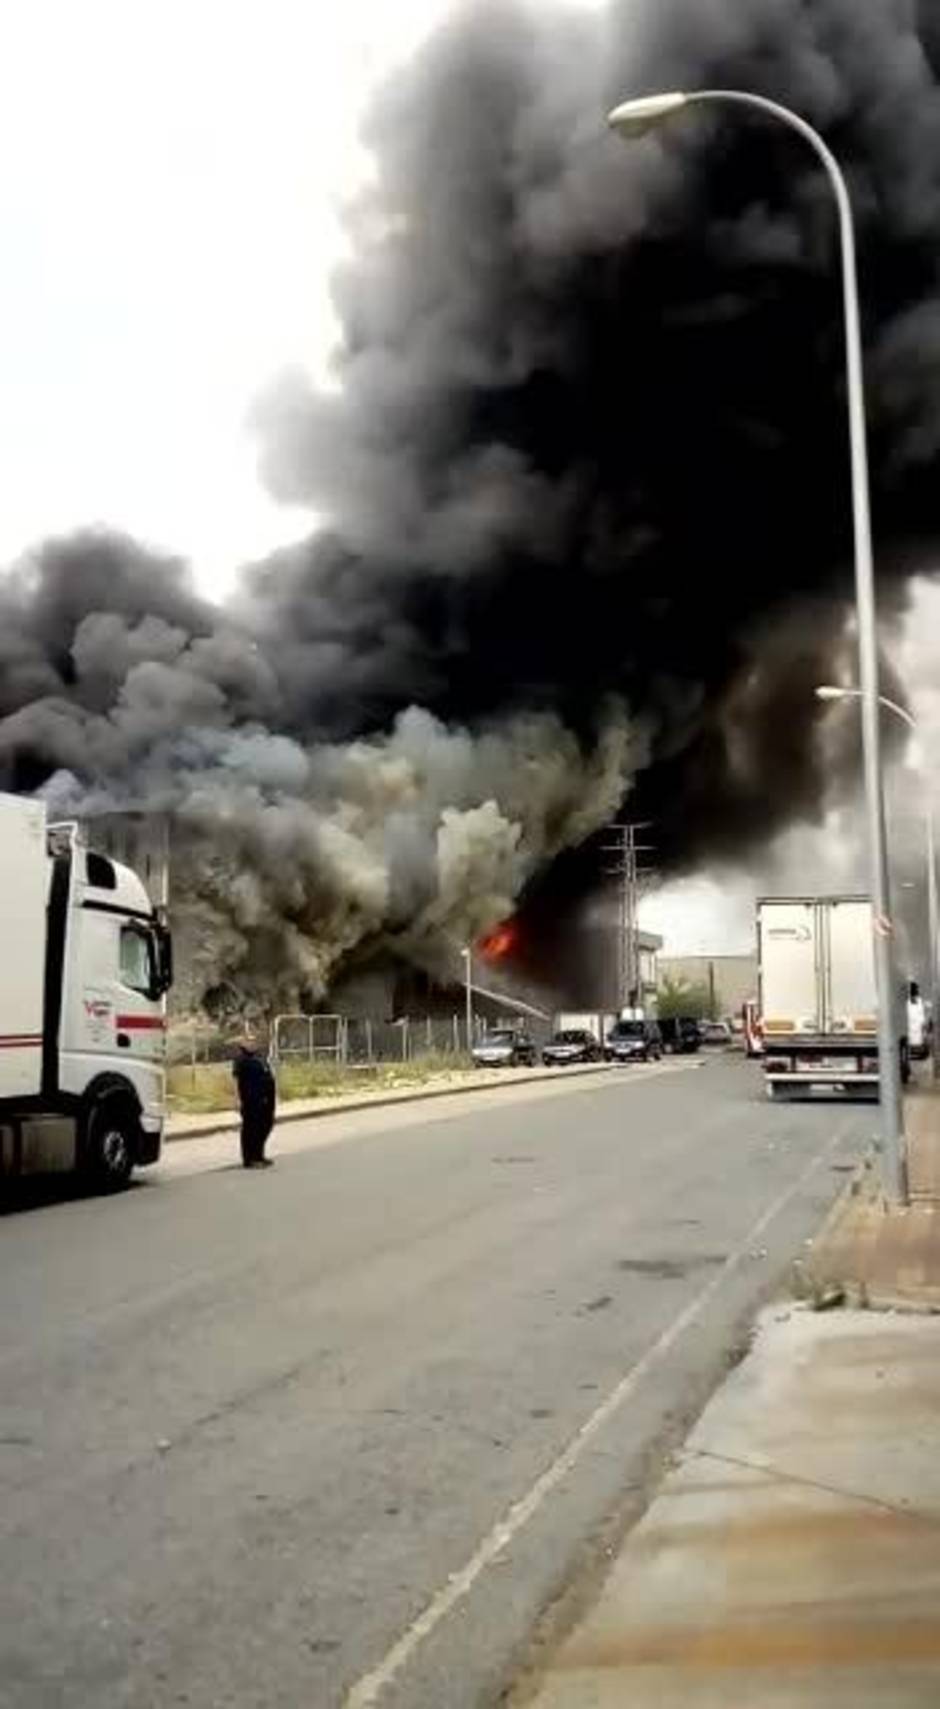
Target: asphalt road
<point>337,1433</point>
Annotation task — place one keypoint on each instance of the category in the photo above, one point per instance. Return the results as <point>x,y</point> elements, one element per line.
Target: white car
<point>505,1047</point>
<point>717,1035</point>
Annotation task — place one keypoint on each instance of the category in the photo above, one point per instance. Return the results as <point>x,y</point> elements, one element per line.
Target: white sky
<point>168,176</point>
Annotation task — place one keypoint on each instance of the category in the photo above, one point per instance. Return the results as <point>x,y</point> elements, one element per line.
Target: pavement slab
<point>792,1556</point>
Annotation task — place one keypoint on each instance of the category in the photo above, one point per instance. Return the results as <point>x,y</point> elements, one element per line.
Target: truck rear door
<point>789,968</point>
<point>851,1007</point>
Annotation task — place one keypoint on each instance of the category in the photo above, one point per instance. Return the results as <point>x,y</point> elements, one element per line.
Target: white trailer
<point>818,1000</point>
<point>593,1021</point>
<point>85,964</point>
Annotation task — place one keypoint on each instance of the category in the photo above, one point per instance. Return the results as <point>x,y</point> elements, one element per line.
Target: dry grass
<point>208,1087</point>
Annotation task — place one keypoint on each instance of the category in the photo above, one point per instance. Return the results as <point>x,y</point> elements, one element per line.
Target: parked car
<point>680,1034</point>
<point>505,1047</point>
<point>634,1041</point>
<point>573,1044</point>
<point>717,1035</point>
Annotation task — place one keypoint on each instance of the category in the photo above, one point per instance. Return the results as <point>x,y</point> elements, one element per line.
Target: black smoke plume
<point>586,484</point>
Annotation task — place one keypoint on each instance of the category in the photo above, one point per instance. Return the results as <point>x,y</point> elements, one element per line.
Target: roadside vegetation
<point>678,999</point>
<point>205,1087</point>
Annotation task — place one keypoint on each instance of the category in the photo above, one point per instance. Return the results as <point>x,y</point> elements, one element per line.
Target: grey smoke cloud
<point>291,852</point>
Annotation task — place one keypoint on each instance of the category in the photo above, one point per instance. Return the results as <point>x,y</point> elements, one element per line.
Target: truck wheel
<point>109,1151</point>
<point>905,1062</point>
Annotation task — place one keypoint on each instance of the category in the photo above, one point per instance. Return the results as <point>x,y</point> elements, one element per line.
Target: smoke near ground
<point>585,481</point>
<point>290,851</point>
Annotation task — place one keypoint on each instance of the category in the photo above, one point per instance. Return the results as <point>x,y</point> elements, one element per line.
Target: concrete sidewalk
<point>922,1122</point>
<point>307,1109</point>
<point>792,1557</point>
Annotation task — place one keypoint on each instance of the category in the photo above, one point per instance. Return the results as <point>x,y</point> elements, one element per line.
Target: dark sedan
<point>680,1034</point>
<point>571,1046</point>
<point>634,1041</point>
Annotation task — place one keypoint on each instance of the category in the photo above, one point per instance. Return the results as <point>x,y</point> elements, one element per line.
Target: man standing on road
<point>256,1098</point>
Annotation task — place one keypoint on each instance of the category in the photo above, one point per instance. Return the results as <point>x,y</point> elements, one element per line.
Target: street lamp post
<point>634,118</point>
<point>468,972</point>
<point>830,692</point>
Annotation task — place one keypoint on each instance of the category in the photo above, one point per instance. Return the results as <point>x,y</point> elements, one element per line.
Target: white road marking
<point>368,1689</point>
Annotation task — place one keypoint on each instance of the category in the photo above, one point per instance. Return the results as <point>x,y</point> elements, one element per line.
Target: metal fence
<point>354,1041</point>
<point>340,1040</point>
<point>308,1038</point>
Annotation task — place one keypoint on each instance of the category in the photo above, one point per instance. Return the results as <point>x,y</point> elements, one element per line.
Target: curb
<point>864,1174</point>
<point>228,1122</point>
<point>801,1283</point>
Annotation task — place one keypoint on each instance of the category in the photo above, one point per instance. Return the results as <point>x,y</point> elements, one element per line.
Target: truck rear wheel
<point>110,1144</point>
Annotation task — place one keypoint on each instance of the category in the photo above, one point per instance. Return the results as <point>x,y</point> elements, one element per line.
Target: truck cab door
<point>139,1025</point>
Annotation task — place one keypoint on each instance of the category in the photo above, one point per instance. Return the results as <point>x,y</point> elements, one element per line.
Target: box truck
<point>85,965</point>
<point>594,1021</point>
<point>818,1005</point>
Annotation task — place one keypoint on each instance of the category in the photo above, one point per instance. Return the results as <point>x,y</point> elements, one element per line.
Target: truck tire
<point>905,1062</point>
<point>110,1144</point>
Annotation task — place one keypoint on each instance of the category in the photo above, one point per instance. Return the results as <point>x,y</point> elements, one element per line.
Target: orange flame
<point>499,943</point>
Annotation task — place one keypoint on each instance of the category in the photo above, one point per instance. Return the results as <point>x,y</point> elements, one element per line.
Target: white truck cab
<point>85,964</point>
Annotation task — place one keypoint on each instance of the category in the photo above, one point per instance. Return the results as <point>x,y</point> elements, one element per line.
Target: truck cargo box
<point>24,884</point>
<point>818,998</point>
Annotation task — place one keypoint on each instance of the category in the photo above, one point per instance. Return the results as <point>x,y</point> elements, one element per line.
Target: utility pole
<point>624,851</point>
<point>635,118</point>
<point>467,955</point>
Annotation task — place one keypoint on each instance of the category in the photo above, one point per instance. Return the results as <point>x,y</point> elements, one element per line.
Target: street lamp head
<point>827,691</point>
<point>635,118</point>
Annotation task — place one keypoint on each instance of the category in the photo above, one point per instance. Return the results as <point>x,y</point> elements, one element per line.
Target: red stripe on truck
<point>19,1041</point>
<point>140,1023</point>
